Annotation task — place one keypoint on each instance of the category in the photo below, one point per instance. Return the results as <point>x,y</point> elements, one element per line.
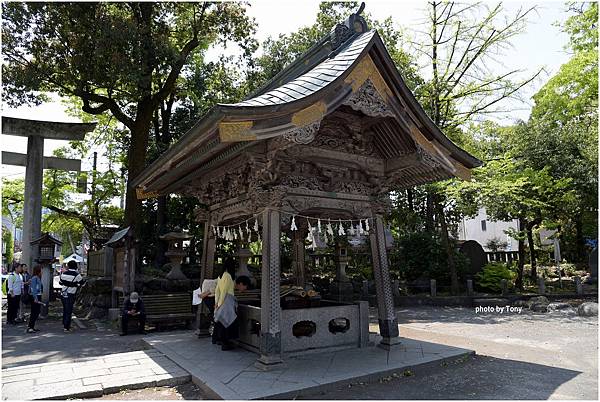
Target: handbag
<point>226,314</point>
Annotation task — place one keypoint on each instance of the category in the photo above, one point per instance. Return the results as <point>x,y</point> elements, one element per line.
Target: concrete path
<point>91,377</point>
<point>232,375</point>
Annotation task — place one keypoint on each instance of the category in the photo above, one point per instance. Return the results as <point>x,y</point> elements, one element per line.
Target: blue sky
<point>542,45</point>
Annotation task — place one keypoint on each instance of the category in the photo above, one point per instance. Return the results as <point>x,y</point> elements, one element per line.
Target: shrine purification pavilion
<point>314,152</point>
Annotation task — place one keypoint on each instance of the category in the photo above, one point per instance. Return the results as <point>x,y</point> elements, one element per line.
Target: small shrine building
<point>319,147</point>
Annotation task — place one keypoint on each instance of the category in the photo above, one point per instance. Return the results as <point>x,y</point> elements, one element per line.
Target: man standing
<point>70,280</point>
<point>133,308</point>
<point>15,290</point>
<point>26,281</point>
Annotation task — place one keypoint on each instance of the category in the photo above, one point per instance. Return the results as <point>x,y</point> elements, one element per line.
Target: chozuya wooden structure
<point>329,135</point>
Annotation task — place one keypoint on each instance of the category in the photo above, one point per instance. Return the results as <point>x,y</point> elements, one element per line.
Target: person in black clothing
<point>71,281</point>
<point>242,283</point>
<point>133,307</point>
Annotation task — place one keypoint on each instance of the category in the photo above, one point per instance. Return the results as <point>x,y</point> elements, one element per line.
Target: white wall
<point>471,229</point>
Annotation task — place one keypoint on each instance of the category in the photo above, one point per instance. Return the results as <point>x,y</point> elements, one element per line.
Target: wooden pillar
<point>208,248</point>
<point>270,307</point>
<point>126,271</point>
<point>208,252</point>
<point>542,285</point>
<point>388,324</point>
<point>131,264</point>
<point>205,238</point>
<point>298,258</point>
<point>578,286</point>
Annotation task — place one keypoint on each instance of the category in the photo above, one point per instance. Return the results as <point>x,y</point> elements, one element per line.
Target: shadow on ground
<point>477,377</point>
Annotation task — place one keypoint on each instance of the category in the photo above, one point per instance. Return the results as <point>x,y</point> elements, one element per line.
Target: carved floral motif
<point>302,135</point>
<point>368,100</point>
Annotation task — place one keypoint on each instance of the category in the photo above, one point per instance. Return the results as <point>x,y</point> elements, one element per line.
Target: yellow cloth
<point>224,285</point>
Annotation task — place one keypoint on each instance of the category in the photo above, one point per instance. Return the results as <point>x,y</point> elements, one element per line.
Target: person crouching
<point>133,308</point>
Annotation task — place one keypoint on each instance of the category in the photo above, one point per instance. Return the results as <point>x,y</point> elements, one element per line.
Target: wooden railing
<point>502,256</point>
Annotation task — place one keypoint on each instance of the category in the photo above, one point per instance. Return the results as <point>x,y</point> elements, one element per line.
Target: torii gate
<point>35,163</point>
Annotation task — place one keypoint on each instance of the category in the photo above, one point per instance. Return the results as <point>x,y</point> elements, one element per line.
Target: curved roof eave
<point>250,108</point>
<point>204,125</point>
<point>460,154</point>
<point>242,109</point>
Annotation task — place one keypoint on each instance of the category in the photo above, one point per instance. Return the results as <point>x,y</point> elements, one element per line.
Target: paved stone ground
<point>52,344</point>
<point>232,375</point>
<point>92,376</point>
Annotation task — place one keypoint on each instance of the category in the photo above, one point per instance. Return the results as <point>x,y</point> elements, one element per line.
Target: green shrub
<point>420,255</point>
<point>491,276</point>
<point>568,268</point>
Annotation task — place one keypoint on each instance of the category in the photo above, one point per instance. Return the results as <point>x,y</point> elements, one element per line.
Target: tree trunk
<point>136,161</point>
<point>161,226</point>
<point>429,212</point>
<point>521,262</point>
<point>409,198</point>
<point>448,247</point>
<point>532,251</point>
<point>579,240</point>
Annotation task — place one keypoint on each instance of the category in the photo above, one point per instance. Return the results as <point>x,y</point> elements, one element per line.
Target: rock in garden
<point>588,309</point>
<point>537,300</point>
<point>558,306</point>
<point>520,303</point>
<point>539,307</point>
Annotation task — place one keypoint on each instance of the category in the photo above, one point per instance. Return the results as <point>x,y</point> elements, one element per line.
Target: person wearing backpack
<point>14,292</point>
<point>70,280</point>
<point>35,291</point>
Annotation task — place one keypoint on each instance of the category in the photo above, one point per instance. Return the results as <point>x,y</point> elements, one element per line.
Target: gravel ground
<point>519,356</point>
<point>180,392</point>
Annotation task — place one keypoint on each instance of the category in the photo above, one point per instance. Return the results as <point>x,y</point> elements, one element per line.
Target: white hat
<point>134,297</point>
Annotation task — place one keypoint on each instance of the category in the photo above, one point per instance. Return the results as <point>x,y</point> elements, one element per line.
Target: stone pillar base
<point>203,333</point>
<point>388,328</point>
<point>267,363</point>
<point>388,343</point>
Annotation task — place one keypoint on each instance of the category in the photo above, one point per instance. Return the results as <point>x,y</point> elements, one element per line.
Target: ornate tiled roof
<point>315,79</point>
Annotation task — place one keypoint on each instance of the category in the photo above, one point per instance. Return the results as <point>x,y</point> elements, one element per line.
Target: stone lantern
<point>244,254</point>
<point>48,248</point>
<point>341,288</point>
<point>175,253</point>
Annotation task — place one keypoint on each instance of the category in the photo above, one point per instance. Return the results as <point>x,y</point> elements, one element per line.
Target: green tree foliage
<point>9,244</point>
<point>120,58</point>
<point>281,51</point>
<point>496,244</point>
<point>561,136</point>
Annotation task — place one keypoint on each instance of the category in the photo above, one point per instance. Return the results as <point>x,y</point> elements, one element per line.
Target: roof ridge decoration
<point>354,24</point>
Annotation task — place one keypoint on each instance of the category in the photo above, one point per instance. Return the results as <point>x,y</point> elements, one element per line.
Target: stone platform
<point>232,375</point>
<point>91,376</point>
